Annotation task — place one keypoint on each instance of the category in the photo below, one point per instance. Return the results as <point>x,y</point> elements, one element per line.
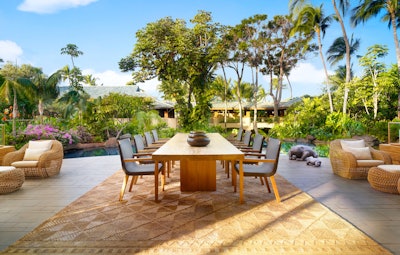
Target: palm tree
<point>371,8</point>
<point>10,89</point>
<point>312,20</point>
<point>47,89</point>
<point>336,52</point>
<point>72,50</point>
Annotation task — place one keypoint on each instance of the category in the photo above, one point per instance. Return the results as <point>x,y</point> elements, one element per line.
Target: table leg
<point>241,177</point>
<point>156,180</point>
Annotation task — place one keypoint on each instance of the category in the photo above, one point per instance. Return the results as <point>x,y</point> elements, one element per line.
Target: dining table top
<point>218,148</point>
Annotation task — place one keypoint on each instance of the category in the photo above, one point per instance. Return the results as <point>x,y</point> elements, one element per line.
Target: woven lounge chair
<point>355,162</point>
<point>41,158</point>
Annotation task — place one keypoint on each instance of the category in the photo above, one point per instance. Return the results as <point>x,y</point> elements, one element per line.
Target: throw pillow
<point>347,144</point>
<point>361,153</point>
<point>41,144</point>
<point>33,154</point>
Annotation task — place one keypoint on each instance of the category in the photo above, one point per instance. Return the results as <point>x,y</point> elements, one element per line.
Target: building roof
<point>130,90</point>
<point>263,105</point>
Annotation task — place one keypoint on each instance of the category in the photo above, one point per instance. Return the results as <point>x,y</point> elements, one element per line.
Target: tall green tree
<point>373,68</point>
<point>337,52</point>
<point>312,20</point>
<point>71,50</point>
<point>184,60</point>
<point>47,90</point>
<point>368,9</point>
<point>16,83</point>
<point>282,53</point>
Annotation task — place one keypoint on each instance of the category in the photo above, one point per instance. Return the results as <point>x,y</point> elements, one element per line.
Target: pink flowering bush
<point>42,132</point>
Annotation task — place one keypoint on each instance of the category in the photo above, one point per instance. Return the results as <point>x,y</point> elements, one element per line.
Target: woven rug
<point>195,222</point>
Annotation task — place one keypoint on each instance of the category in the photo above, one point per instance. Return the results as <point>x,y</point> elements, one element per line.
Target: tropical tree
<point>282,53</point>
<point>312,20</point>
<point>15,84</point>
<point>183,59</point>
<point>47,90</point>
<point>255,26</point>
<point>223,91</point>
<point>373,68</point>
<point>368,9</point>
<point>71,50</point>
<point>337,52</point>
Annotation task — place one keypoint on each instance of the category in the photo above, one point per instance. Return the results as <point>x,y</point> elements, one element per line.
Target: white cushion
<point>352,144</point>
<point>360,153</point>
<point>369,163</point>
<point>25,163</point>
<point>390,168</point>
<point>6,168</point>
<point>33,154</point>
<point>41,144</point>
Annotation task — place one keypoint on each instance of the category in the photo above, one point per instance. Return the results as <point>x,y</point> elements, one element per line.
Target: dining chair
<point>157,139</point>
<point>265,167</point>
<point>245,141</point>
<point>238,137</point>
<point>257,145</point>
<point>131,166</point>
<point>150,143</point>
<point>140,145</point>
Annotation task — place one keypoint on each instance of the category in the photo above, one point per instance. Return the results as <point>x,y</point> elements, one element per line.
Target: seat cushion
<point>25,163</point>
<point>390,168</point>
<point>6,168</point>
<point>369,163</point>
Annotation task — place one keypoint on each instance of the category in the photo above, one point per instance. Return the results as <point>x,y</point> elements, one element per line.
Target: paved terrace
<point>373,212</point>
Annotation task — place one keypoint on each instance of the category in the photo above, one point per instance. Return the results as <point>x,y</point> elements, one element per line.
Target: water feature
<point>91,152</point>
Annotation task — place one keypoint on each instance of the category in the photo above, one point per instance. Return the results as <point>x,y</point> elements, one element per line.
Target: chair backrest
<point>239,135</point>
<point>139,143</point>
<point>258,142</point>
<point>125,151</point>
<point>247,137</point>
<point>155,135</point>
<point>273,151</point>
<point>149,138</point>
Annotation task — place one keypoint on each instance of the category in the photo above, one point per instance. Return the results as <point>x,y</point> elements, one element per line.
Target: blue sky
<point>34,31</point>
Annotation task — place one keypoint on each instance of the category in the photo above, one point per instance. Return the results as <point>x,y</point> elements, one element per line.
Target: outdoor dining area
<point>210,196</point>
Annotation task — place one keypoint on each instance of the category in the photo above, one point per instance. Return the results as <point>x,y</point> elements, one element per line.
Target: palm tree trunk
<point>14,113</point>
<point>328,86</point>
<point>348,57</point>
<point>397,46</point>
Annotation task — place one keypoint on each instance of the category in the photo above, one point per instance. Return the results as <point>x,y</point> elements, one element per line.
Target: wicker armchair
<point>345,163</point>
<point>48,163</point>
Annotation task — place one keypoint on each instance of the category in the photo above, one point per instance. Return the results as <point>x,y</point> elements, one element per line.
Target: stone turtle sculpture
<point>311,161</point>
<point>301,152</point>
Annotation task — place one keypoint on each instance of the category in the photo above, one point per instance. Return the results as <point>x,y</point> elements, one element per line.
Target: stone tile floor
<point>373,212</point>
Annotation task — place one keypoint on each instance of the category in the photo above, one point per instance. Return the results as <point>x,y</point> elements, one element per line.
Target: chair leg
<point>133,181</point>
<point>125,181</point>
<point>266,184</point>
<point>275,188</point>
<point>261,180</point>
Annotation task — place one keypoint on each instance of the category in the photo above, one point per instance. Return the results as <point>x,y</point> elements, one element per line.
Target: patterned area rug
<point>195,223</point>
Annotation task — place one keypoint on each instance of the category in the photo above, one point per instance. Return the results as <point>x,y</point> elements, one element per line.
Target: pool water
<point>91,152</point>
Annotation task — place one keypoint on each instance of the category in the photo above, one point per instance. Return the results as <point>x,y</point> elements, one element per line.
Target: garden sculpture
<point>301,152</point>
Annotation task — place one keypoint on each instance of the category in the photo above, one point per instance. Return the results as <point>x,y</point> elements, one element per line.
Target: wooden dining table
<point>198,164</point>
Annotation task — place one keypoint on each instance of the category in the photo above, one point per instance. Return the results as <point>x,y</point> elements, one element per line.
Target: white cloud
<point>51,6</point>
<point>307,73</point>
<point>10,51</point>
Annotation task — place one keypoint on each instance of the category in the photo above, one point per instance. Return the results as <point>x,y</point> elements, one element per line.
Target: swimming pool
<point>91,152</point>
